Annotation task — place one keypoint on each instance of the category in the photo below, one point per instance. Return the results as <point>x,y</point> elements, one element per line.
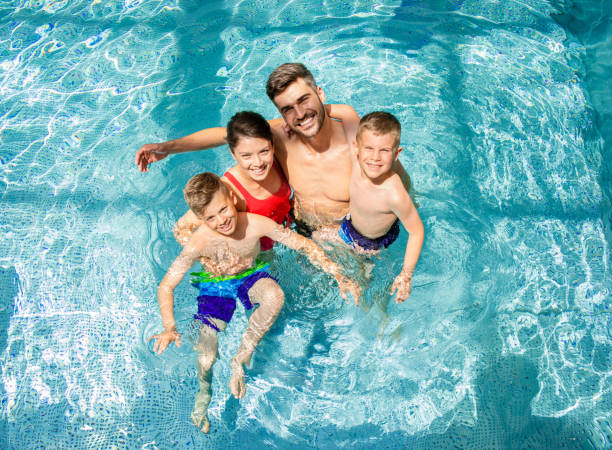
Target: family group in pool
<point>348,187</point>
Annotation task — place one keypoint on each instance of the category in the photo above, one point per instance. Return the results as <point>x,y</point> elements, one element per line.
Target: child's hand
<point>348,286</point>
<point>402,287</point>
<point>163,340</point>
<point>183,231</point>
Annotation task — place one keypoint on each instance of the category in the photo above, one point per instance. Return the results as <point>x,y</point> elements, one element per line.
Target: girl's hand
<point>148,154</point>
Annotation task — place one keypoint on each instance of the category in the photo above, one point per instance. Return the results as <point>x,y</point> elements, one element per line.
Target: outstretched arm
<point>316,255</point>
<point>404,209</point>
<point>165,294</point>
<point>200,140</point>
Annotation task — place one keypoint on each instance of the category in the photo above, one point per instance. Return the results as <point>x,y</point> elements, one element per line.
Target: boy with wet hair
<point>379,200</point>
<point>228,241</point>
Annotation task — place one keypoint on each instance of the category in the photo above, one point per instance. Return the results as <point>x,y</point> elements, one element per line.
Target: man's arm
<point>348,116</point>
<point>314,253</point>
<point>403,207</point>
<point>165,294</point>
<point>399,169</point>
<point>200,140</point>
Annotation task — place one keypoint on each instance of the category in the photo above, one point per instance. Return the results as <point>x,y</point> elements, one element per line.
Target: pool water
<point>506,340</point>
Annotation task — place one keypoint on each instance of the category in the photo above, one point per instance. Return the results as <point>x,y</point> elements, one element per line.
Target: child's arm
<point>402,206</point>
<point>200,140</point>
<point>185,226</point>
<point>315,254</point>
<point>165,294</point>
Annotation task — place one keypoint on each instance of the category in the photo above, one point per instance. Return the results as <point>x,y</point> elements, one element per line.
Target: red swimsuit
<point>276,206</point>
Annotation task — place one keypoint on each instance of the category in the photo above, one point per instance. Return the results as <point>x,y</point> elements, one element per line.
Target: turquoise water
<point>506,340</point>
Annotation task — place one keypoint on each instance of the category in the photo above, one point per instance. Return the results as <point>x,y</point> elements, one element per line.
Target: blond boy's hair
<point>380,122</point>
<point>200,190</point>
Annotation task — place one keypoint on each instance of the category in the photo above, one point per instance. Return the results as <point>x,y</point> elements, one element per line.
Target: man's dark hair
<point>284,75</point>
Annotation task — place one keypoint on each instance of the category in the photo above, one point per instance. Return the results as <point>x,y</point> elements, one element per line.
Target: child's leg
<point>271,298</point>
<point>207,355</point>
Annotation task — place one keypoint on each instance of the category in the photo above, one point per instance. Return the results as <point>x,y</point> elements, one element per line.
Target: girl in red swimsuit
<point>256,180</point>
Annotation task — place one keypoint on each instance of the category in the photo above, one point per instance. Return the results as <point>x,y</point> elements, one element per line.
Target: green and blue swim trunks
<point>217,295</point>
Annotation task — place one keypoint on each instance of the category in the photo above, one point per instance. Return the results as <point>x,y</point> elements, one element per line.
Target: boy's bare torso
<point>228,255</point>
<point>370,209</point>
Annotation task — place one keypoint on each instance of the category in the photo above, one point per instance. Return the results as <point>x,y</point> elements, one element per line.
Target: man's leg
<point>271,298</point>
<point>207,354</point>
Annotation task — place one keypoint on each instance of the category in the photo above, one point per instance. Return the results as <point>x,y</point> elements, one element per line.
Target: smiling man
<point>315,154</point>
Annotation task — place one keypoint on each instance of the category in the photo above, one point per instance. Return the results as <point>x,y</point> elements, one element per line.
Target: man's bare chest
<point>325,169</point>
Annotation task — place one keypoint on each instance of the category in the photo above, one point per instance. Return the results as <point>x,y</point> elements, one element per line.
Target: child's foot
<point>199,415</point>
<point>200,421</point>
<point>236,383</point>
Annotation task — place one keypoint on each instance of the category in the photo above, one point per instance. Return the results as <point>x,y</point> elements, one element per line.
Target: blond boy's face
<point>220,214</point>
<point>376,154</point>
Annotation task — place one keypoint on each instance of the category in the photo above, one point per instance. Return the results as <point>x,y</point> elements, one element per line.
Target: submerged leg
<point>207,354</point>
<point>271,298</point>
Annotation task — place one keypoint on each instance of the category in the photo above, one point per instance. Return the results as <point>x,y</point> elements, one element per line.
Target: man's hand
<point>149,153</point>
<point>164,339</point>
<point>402,286</point>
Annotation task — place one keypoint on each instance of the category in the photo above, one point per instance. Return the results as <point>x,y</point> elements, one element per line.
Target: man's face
<point>220,214</point>
<point>302,108</point>
<point>376,154</point>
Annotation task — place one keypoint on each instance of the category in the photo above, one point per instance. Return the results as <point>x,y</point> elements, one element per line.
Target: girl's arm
<point>200,140</point>
<point>314,253</point>
<point>185,226</point>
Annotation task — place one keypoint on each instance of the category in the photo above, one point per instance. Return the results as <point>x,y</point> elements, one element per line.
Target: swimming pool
<point>506,339</point>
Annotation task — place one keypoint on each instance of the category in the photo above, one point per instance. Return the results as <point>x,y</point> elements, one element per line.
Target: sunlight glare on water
<point>505,341</point>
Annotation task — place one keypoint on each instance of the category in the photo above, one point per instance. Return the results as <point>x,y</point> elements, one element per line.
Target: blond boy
<point>229,242</point>
<point>378,199</point>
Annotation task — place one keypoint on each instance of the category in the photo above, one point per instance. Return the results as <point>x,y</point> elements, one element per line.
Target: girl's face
<point>254,156</point>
